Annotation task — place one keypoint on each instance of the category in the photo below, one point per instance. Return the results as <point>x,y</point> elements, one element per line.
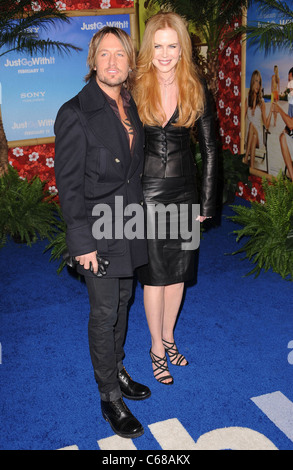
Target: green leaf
<point>268,229</point>
<point>27,211</point>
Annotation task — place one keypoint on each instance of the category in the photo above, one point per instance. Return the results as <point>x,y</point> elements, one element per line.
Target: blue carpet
<point>234,330</point>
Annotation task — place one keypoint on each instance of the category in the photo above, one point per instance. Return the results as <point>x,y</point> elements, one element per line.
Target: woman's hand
<point>202,218</point>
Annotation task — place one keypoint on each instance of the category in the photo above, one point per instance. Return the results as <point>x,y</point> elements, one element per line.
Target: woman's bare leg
<point>154,308</point>
<point>286,155</point>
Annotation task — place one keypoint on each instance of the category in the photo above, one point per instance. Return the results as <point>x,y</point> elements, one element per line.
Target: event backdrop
<point>39,159</point>
<point>269,157</point>
<point>34,88</point>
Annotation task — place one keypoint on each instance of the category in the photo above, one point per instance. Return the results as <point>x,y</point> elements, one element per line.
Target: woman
<point>170,98</point>
<point>255,111</point>
<point>275,90</point>
<point>286,140</point>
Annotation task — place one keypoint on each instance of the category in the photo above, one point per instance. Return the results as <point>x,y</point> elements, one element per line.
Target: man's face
<point>112,65</point>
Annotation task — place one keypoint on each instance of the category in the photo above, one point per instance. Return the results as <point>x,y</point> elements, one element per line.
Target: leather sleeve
<point>209,153</point>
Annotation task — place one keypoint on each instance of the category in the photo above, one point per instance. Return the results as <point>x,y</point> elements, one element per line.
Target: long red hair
<point>147,90</point>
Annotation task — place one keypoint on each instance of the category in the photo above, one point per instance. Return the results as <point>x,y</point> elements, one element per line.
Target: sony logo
<point>32,94</point>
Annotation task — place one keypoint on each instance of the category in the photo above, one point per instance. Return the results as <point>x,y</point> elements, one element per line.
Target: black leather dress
<point>170,178</point>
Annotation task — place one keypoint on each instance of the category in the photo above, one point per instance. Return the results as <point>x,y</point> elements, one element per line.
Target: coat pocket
<point>108,231</point>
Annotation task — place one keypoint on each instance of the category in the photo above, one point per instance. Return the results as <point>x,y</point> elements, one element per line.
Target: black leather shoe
<point>121,420</point>
<point>130,389</point>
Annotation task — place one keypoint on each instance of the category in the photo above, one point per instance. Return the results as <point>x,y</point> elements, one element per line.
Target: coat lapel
<point>101,119</point>
<point>137,154</point>
<point>108,129</point>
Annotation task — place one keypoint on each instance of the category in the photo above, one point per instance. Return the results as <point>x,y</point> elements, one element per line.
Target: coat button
<point>117,160</point>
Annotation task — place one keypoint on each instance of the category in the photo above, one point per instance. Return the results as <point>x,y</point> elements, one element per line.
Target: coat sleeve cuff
<point>80,241</point>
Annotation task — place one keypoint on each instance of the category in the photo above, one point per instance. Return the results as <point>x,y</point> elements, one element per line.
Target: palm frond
<point>19,26</point>
<point>268,36</point>
<point>32,46</point>
<point>281,8</point>
<point>202,14</point>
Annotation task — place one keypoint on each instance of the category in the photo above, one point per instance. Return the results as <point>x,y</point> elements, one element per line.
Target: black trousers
<point>109,299</point>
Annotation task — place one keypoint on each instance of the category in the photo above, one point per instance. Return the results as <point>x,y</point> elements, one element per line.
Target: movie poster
<point>270,72</point>
<point>32,89</point>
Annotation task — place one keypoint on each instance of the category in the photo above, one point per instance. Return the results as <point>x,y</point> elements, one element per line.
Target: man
<point>286,140</point>
<point>290,95</point>
<point>99,156</point>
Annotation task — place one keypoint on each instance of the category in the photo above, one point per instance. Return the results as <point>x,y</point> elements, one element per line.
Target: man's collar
<point>92,97</point>
<point>124,94</point>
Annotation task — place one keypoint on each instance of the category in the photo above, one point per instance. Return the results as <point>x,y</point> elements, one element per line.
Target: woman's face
<point>167,50</point>
<point>256,84</point>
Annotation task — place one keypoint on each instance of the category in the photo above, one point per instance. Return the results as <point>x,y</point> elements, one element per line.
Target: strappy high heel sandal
<point>175,357</point>
<point>161,366</point>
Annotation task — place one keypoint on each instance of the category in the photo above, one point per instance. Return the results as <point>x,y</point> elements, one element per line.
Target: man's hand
<point>87,260</point>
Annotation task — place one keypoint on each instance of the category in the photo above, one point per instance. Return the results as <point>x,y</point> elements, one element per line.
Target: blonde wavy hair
<point>146,88</point>
<point>255,75</point>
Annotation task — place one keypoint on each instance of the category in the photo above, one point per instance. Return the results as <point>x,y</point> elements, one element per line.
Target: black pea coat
<point>93,165</point>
